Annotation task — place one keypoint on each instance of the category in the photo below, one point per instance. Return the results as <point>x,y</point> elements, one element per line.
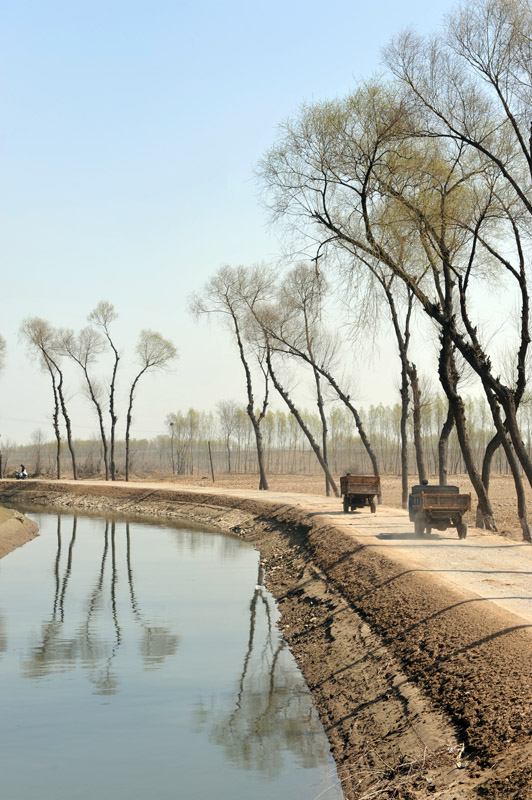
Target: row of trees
<point>51,347</point>
<point>415,191</point>
<point>226,437</point>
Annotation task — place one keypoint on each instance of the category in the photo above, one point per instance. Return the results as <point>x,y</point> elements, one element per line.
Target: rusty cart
<point>359,491</point>
<point>439,507</point>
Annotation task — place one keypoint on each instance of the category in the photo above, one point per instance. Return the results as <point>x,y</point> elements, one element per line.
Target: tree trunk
<point>403,339</point>
<point>255,421</point>
<point>416,416</point>
<point>358,422</point>
<point>56,425</point>
<point>491,448</point>
<point>302,425</point>
<point>128,425</point>
<point>114,418</point>
<point>100,418</point>
<point>514,466</point>
<point>263,481</point>
<point>67,424</point>
<point>128,422</point>
<point>324,429</point>
<point>508,403</point>
<point>449,379</point>
<point>404,438</point>
<point>443,447</point>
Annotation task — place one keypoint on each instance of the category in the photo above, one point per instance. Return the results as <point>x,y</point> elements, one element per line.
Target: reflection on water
<point>145,661</point>
<point>263,717</point>
<point>58,647</point>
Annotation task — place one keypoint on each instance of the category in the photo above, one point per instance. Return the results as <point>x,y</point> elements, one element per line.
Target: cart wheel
<point>373,505</point>
<point>419,527</point>
<point>462,530</point>
<point>346,505</point>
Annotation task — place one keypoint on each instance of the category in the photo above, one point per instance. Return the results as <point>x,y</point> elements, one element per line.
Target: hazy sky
<point>129,134</point>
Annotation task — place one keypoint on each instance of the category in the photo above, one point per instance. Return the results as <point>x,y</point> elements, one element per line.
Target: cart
<point>439,507</point>
<point>359,491</point>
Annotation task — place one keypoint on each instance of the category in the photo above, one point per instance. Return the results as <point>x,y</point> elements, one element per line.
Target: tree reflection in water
<point>271,710</point>
<point>3,635</point>
<point>96,642</point>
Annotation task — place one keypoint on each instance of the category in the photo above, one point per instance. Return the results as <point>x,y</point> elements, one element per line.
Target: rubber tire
<point>346,505</point>
<point>419,527</point>
<point>373,505</point>
<point>462,530</point>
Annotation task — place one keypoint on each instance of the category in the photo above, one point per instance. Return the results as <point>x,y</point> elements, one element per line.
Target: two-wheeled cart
<point>439,507</point>
<point>359,491</point>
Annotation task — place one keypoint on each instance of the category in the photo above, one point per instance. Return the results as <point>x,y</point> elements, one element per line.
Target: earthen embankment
<point>15,530</point>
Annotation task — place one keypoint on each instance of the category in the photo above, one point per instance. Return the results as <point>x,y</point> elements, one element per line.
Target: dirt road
<point>417,650</point>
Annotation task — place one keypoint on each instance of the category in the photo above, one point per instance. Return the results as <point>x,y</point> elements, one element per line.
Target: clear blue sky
<point>129,134</point>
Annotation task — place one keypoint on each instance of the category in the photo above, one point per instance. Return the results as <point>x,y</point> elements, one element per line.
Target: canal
<point>143,660</point>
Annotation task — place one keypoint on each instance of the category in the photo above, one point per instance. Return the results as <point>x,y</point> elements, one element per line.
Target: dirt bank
<point>15,530</point>
<point>421,692</point>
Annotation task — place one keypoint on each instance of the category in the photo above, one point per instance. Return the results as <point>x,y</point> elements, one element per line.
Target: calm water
<point>143,661</point>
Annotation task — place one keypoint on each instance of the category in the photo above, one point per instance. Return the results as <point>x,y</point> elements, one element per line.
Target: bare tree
<point>473,85</point>
<point>300,299</point>
<point>443,447</point>
<point>316,347</point>
<point>235,293</point>
<point>103,317</point>
<point>354,169</point>
<point>41,340</point>
<point>154,353</point>
<point>265,319</point>
<point>84,349</point>
<point>185,430</point>
<point>228,418</point>
<point>37,440</point>
<point>388,284</point>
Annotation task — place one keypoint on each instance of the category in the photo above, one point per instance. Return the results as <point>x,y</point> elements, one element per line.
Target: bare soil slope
<point>423,685</point>
<point>15,530</point>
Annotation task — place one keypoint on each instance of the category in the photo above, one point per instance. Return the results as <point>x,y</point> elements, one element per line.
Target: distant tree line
<point>191,439</point>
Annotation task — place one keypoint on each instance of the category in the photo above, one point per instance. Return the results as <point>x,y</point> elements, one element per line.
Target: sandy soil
<point>417,652</point>
<point>15,530</point>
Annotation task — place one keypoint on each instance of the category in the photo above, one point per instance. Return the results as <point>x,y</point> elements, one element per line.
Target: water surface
<point>142,660</point>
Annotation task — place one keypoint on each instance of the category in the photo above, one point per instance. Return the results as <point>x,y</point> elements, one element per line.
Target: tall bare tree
<point>103,317</point>
<point>473,85</point>
<point>266,320</point>
<point>84,349</point>
<point>227,411</point>
<point>300,298</point>
<point>42,342</point>
<point>345,167</point>
<point>235,293</point>
<point>288,334</point>
<point>154,354</point>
